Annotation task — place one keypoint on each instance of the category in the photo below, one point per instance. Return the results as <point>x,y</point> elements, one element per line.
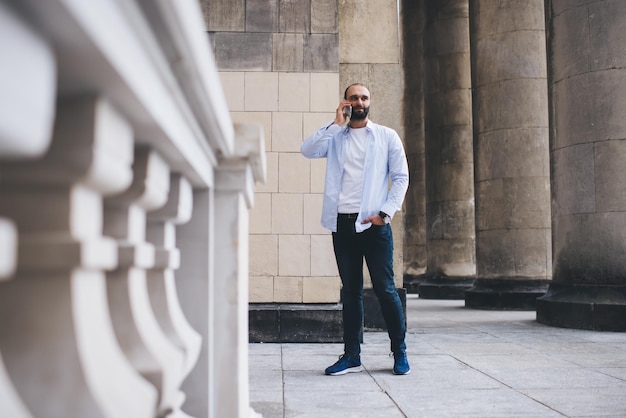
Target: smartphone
<point>347,111</point>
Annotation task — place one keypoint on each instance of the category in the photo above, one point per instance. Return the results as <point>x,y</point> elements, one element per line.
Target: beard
<point>356,115</point>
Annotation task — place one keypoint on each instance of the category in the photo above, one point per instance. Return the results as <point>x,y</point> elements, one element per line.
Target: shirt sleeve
<point>399,175</point>
<point>316,145</point>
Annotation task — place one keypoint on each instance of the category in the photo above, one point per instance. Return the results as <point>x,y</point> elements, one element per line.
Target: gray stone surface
<point>595,35</point>
<point>514,253</point>
<point>288,52</point>
<point>448,140</point>
<point>324,17</point>
<point>528,143</point>
<point>352,73</point>
<point>455,73</point>
<point>321,52</point>
<point>519,54</point>
<point>224,15</point>
<point>588,248</point>
<point>610,158</point>
<point>465,363</point>
<point>369,31</point>
<point>573,180</point>
<point>521,15</point>
<point>295,16</point>
<point>585,107</point>
<point>243,51</point>
<point>262,15</point>
<point>459,147</point>
<point>511,141</point>
<point>511,104</point>
<point>586,60</point>
<point>387,87</point>
<point>413,114</point>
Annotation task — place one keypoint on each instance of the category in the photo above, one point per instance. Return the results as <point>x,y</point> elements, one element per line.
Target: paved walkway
<point>465,363</point>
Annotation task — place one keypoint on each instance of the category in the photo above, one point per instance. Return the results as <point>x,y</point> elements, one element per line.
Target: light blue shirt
<point>384,159</point>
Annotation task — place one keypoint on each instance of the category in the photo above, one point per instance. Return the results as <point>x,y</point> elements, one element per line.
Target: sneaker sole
<point>356,369</point>
<point>401,374</point>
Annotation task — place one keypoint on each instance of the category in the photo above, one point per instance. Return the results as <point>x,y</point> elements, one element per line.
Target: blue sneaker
<point>401,363</point>
<point>345,364</point>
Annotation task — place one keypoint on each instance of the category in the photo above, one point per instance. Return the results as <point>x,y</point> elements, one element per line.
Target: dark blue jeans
<point>375,244</point>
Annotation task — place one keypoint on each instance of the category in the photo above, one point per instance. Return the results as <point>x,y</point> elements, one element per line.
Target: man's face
<point>359,98</point>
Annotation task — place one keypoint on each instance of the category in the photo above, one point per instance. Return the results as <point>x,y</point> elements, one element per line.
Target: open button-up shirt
<point>384,160</point>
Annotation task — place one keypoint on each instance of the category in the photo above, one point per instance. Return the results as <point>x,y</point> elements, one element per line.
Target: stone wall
<point>278,62</point>
<point>284,65</point>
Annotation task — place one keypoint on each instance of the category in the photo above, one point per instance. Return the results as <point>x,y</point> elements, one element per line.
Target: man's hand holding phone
<point>344,112</point>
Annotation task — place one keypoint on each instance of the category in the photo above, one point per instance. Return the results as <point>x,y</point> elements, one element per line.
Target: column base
<point>411,282</point>
<point>295,323</point>
<point>439,286</point>
<point>505,293</point>
<point>591,307</point>
<point>372,317</point>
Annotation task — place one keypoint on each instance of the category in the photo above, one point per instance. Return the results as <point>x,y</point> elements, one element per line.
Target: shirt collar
<point>369,126</point>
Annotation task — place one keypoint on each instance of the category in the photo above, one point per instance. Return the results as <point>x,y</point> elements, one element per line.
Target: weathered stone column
<point>588,155</point>
<point>513,254</point>
<point>449,155</point>
<point>414,245</point>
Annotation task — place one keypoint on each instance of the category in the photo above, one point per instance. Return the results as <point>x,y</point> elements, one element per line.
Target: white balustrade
<point>60,283</point>
<point>122,182</point>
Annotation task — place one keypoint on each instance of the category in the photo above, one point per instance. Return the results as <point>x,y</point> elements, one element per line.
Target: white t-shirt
<point>352,179</point>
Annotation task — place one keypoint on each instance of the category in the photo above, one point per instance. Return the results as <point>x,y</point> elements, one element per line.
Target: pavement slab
<point>465,363</point>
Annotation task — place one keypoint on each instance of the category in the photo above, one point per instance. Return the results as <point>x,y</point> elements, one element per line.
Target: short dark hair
<point>345,93</point>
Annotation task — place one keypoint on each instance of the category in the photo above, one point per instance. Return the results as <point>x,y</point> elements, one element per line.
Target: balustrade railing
<point>124,197</point>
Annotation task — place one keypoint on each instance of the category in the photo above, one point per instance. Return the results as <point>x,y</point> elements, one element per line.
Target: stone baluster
<point>27,106</point>
<point>234,193</point>
<point>11,404</point>
<point>214,278</point>
<point>28,78</point>
<point>195,286</point>
<point>56,334</point>
<point>141,336</point>
<point>161,283</point>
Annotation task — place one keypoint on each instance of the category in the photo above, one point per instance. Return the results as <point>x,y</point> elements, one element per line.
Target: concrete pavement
<point>465,363</point>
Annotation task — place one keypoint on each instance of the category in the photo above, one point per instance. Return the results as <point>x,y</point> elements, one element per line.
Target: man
<point>358,205</point>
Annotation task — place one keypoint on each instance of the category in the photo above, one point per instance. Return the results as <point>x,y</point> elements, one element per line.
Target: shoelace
<point>391,354</point>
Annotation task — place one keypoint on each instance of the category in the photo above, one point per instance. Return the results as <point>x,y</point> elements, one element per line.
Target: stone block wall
<point>284,65</point>
<point>279,65</point>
